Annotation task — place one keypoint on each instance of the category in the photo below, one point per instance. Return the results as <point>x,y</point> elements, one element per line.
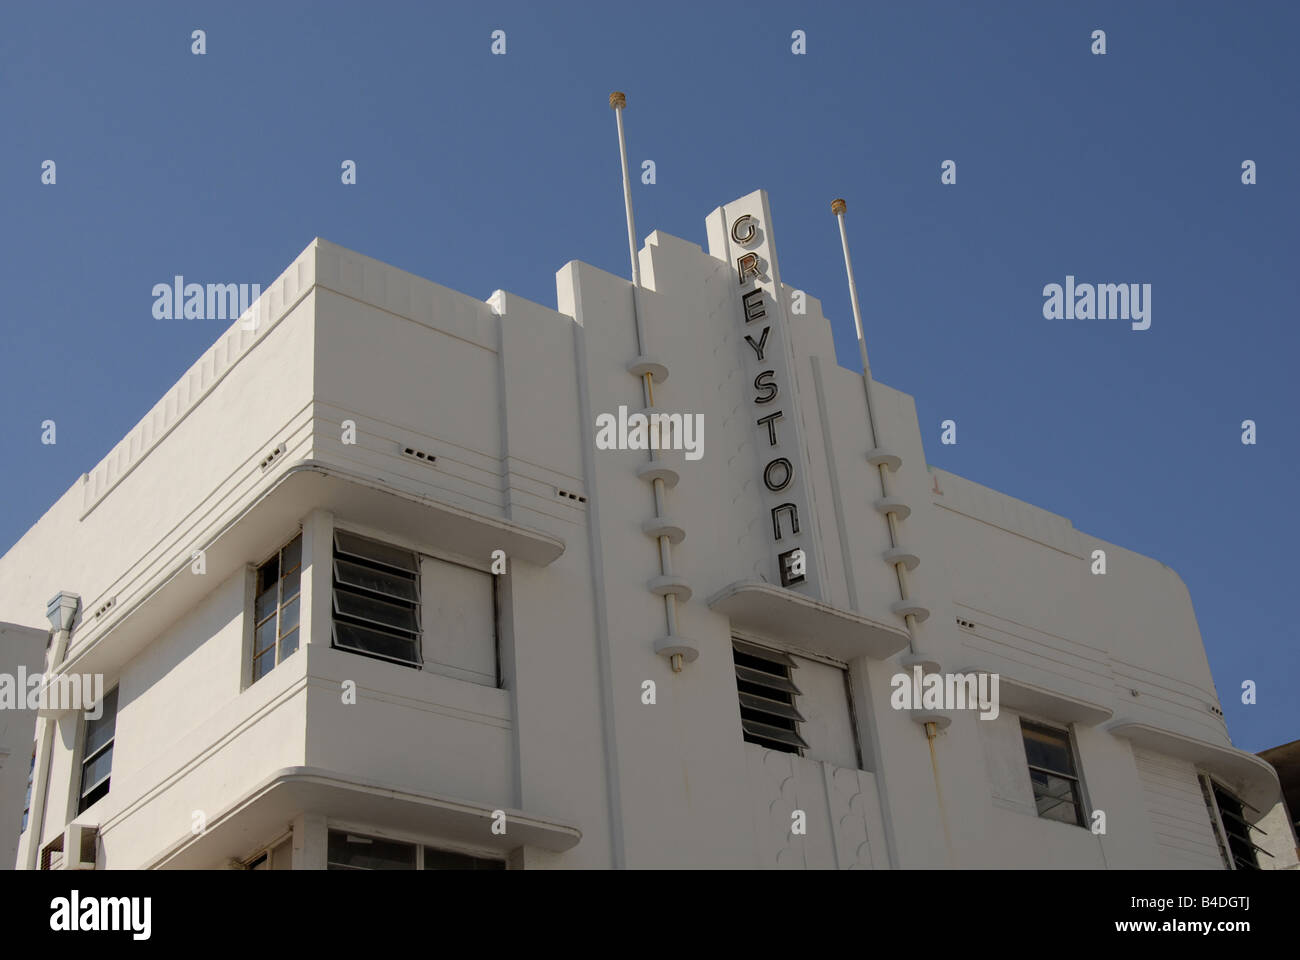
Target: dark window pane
<point>380,553</point>
<point>265,638</point>
<point>361,639</point>
<point>290,585</point>
<point>1056,797</point>
<point>100,731</point>
<point>96,770</point>
<point>267,574</point>
<point>1048,749</point>
<point>288,645</point>
<point>93,797</point>
<point>443,860</point>
<point>262,664</point>
<point>350,851</point>
<point>377,581</point>
<point>289,617</point>
<point>292,554</point>
<point>379,612</point>
<point>266,601</point>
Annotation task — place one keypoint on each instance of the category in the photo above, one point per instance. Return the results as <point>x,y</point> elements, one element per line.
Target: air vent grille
<point>273,456</point>
<point>421,455</point>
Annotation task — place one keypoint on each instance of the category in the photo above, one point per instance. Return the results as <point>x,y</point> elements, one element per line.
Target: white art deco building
<point>285,576</point>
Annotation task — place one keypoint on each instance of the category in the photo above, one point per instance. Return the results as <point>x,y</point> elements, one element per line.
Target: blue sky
<point>481,171</point>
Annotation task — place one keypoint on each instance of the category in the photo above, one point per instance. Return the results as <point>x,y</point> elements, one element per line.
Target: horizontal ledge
<point>643,364</point>
<point>671,584</point>
<point>1252,777</point>
<point>927,663</point>
<point>894,505</point>
<point>658,470</point>
<point>677,645</point>
<point>805,622</point>
<point>1031,698</point>
<point>902,555</point>
<point>941,720</point>
<point>906,608</point>
<point>663,527</point>
<point>313,790</point>
<point>880,456</point>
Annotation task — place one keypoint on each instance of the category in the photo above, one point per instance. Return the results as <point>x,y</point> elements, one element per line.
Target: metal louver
<point>766,690</point>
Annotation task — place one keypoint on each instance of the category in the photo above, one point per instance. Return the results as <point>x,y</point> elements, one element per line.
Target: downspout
<point>62,613</point>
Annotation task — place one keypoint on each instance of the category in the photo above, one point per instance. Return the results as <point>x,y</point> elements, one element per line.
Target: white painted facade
<point>543,718</point>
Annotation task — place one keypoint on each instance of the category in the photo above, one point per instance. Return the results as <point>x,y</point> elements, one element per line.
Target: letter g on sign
<point>743,222</point>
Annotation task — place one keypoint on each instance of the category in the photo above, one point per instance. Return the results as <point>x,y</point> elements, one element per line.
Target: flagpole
<point>884,462</point>
<point>675,647</point>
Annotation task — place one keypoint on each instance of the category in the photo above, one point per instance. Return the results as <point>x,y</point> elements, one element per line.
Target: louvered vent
<point>570,496</point>
<point>767,691</point>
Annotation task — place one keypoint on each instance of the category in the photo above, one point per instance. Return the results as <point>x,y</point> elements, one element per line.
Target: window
<point>376,599</point>
<point>767,691</point>
<point>98,753</point>
<point>278,857</point>
<point>812,718</point>
<point>27,800</point>
<point>1057,794</point>
<point>276,608</point>
<point>1228,817</point>
<point>349,851</point>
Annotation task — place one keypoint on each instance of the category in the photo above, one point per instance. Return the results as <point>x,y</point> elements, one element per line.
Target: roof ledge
<point>1254,779</point>
<point>1028,697</point>
<point>805,622</point>
<point>315,790</point>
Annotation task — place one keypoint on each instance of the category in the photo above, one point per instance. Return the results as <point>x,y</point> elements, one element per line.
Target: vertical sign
<point>740,233</point>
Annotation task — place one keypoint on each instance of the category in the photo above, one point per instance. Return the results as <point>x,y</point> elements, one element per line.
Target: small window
<point>767,690</point>
<point>97,752</point>
<point>376,597</point>
<point>279,857</point>
<point>1057,795</point>
<point>350,851</point>
<point>276,608</point>
<point>1231,828</point>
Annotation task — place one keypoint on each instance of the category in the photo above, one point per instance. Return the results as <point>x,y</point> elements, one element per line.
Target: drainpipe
<point>62,613</point>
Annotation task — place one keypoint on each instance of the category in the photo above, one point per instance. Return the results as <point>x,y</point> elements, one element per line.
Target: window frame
<point>1211,788</point>
<point>278,612</point>
<point>107,747</point>
<point>420,552</point>
<point>787,688</point>
<point>1078,793</point>
<point>342,554</point>
<point>420,845</point>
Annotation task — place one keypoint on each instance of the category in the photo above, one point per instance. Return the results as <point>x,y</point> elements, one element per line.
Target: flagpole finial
<point>617,100</point>
<point>838,206</point>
